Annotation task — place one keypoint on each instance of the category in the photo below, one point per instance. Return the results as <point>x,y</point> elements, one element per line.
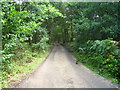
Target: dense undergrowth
<point>101,56</point>
<point>29,27</point>
<point>19,64</point>
<point>24,37</point>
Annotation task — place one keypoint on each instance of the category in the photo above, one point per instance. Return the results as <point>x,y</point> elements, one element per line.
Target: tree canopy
<point>87,28</point>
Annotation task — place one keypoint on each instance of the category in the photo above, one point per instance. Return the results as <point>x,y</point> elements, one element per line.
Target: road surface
<point>60,71</point>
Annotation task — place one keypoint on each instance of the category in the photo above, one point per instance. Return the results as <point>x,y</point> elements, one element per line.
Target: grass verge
<point>85,59</point>
<point>21,65</point>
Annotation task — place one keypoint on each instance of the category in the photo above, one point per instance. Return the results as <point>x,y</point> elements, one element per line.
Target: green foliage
<point>21,64</point>
<point>73,46</point>
<point>85,27</point>
<point>92,27</point>
<point>21,23</point>
<point>102,47</point>
<point>95,21</point>
<point>42,45</point>
<point>23,28</point>
<point>101,56</point>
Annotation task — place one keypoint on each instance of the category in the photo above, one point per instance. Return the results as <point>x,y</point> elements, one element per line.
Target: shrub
<point>42,45</point>
<point>100,55</point>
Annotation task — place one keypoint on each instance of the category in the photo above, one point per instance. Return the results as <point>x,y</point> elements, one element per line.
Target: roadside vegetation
<point>90,30</point>
<point>24,38</point>
<point>20,65</point>
<point>101,57</point>
<point>97,38</point>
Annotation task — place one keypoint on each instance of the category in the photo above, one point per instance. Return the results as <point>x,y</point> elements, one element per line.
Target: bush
<point>101,56</point>
<point>103,47</point>
<point>42,45</point>
<point>73,46</point>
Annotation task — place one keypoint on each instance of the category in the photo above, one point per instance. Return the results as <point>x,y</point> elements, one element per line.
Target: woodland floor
<point>60,71</point>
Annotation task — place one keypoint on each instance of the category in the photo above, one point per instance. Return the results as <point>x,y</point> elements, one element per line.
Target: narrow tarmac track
<point>60,71</point>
